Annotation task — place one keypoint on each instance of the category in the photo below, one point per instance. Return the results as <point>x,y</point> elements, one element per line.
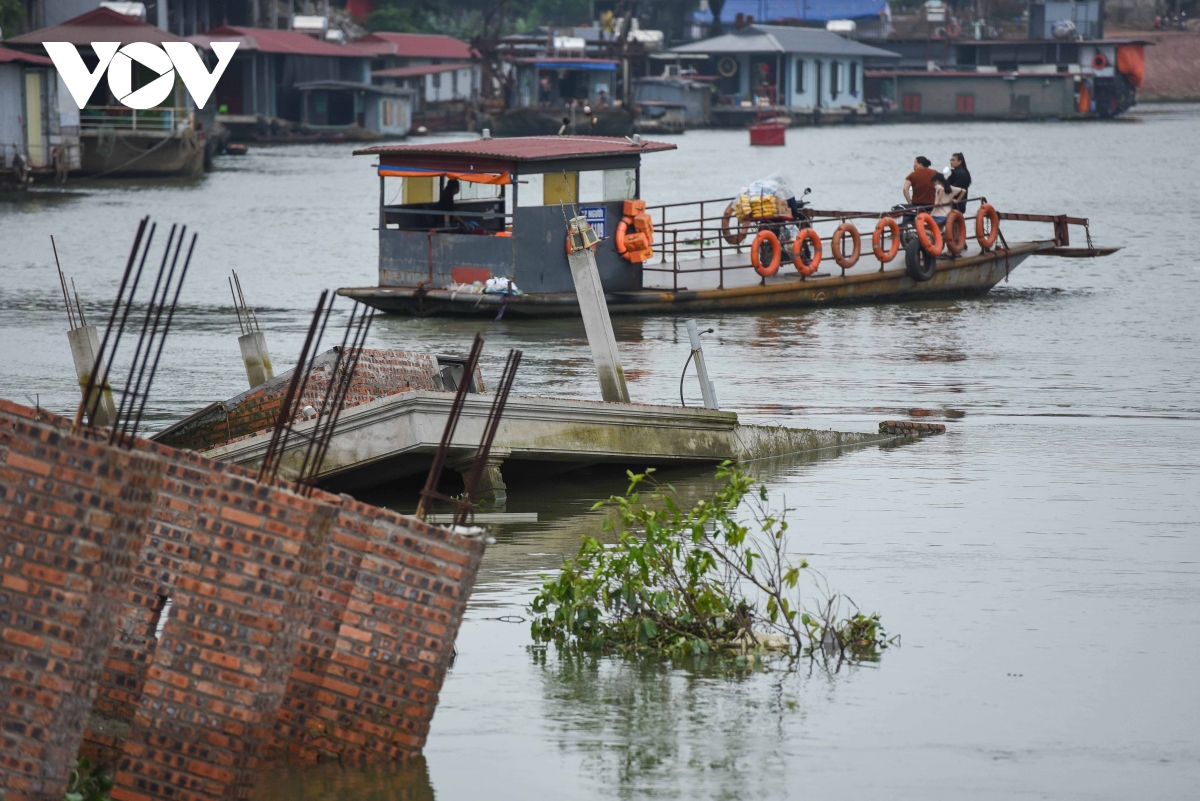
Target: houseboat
<point>480,230</point>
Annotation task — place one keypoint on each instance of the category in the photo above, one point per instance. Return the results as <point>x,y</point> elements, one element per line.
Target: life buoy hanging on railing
<point>987,214</point>
<point>956,232</point>
<point>838,245</point>
<point>765,237</point>
<point>953,29</point>
<point>893,229</point>
<point>727,66</point>
<point>1099,61</point>
<point>929,234</point>
<point>802,267</point>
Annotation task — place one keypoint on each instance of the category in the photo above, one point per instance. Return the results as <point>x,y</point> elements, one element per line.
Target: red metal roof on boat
<point>268,40</point>
<point>7,56</point>
<point>100,25</point>
<point>413,45</point>
<point>425,69</point>
<point>522,148</point>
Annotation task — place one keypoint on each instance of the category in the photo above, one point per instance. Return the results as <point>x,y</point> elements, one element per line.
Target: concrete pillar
<point>85,343</point>
<point>492,492</point>
<point>256,358</point>
<point>596,321</point>
<point>706,387</point>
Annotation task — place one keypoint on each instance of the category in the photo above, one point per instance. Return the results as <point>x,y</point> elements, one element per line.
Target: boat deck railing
<point>122,118</point>
<point>692,232</point>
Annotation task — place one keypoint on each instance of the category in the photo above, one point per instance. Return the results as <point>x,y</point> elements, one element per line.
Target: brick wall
<point>380,373</point>
<point>366,680</point>
<point>71,522</point>
<point>252,571</point>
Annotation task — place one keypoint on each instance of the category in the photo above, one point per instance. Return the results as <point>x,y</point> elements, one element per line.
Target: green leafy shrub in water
<point>88,782</point>
<point>696,581</point>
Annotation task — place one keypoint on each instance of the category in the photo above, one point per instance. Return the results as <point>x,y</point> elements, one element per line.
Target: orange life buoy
<point>985,237</point>
<point>770,238</point>
<point>953,29</point>
<point>1099,61</point>
<point>619,236</point>
<point>730,237</point>
<point>893,228</point>
<point>929,234</point>
<point>798,252</point>
<point>635,246</point>
<point>838,245</point>
<point>956,232</point>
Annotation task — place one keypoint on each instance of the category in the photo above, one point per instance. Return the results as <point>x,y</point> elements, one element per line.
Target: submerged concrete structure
<point>177,618</point>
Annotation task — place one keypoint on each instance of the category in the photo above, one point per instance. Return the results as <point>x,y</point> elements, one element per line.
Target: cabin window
<point>800,84</point>
<point>854,78</point>
<point>620,184</point>
<point>834,78</point>
<point>437,80</point>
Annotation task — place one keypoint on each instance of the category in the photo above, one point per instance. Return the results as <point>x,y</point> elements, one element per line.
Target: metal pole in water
<point>592,306</point>
<point>706,387</point>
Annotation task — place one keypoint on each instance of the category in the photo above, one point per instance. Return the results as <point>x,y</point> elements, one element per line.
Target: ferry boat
<point>498,246</point>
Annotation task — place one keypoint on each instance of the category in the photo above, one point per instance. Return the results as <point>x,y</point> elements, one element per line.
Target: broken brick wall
<point>252,571</point>
<point>380,373</point>
<point>72,515</point>
<point>385,616</point>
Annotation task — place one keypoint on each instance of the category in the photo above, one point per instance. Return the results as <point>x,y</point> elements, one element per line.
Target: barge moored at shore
<point>457,257</point>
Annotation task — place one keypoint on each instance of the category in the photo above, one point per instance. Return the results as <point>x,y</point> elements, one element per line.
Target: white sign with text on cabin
<point>166,60</point>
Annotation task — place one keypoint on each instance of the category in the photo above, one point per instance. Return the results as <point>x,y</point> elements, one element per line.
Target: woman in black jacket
<point>960,177</point>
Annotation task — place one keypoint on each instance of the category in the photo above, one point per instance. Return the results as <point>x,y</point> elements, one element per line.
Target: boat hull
<point>963,277</point>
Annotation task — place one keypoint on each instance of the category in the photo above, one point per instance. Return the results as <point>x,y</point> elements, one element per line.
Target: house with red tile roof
<point>39,133</point>
<point>442,71</point>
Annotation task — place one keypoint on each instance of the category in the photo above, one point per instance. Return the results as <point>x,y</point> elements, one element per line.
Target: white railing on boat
<point>122,118</point>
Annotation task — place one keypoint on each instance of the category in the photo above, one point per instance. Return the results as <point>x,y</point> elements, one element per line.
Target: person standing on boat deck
<point>960,178</point>
<point>945,198</point>
<point>918,186</point>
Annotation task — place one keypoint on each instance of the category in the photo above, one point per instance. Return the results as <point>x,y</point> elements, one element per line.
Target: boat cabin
<point>509,215</point>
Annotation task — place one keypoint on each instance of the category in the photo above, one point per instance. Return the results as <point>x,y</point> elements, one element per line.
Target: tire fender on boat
<point>765,270</point>
<point>956,232</point>
<point>886,256</point>
<point>838,245</point>
<point>798,252</point>
<point>985,238</point>
<point>929,234</point>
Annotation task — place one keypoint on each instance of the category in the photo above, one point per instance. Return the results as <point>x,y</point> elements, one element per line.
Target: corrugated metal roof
<point>523,148</point>
<point>424,69</point>
<point>8,56</point>
<point>806,10</point>
<point>100,25</point>
<point>413,45</point>
<point>268,40</point>
<point>783,39</point>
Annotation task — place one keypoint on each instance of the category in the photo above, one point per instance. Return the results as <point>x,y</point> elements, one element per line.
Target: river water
<point>1040,562</point>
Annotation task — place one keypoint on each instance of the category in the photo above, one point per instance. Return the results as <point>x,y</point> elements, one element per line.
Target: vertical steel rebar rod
<point>62,281</point>
<point>91,383</point>
<point>132,386</point>
<point>289,430</point>
<point>236,309</point>
<point>439,456</point>
<point>251,317</point>
<point>340,401</point>
<point>163,339</point>
<point>285,409</point>
<point>78,305</point>
<point>489,436</point>
<point>330,391</point>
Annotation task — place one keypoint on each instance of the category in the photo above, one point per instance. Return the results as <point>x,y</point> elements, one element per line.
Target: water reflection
<point>333,782</point>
